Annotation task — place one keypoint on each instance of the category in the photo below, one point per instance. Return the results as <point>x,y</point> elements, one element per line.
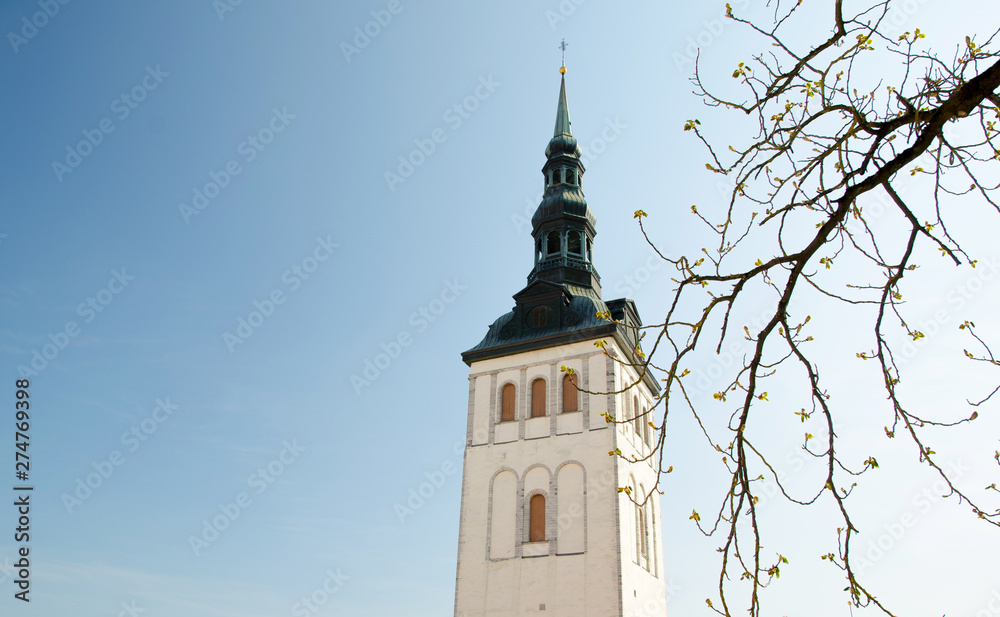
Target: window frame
<point>636,417</point>
<point>513,402</point>
<point>536,518</point>
<point>569,385</point>
<point>542,405</point>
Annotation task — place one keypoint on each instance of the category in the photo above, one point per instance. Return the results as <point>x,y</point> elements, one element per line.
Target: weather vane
<point>562,46</point>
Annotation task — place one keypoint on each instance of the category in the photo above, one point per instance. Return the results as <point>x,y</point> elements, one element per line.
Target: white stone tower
<point>544,528</point>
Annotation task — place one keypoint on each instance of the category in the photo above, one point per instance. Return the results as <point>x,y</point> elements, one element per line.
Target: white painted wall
<point>585,567</point>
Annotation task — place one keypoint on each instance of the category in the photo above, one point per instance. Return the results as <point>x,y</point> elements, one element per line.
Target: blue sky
<point>171,168</point>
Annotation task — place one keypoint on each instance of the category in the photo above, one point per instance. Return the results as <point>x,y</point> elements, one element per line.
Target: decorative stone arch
<point>501,535</point>
<point>571,508</point>
<point>525,493</point>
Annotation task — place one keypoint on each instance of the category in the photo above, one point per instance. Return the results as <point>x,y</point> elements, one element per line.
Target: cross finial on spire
<point>562,46</point>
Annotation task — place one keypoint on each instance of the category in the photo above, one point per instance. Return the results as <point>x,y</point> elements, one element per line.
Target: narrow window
<point>552,244</point>
<point>557,176</point>
<point>637,424</point>
<point>569,176</point>
<point>638,524</point>
<point>647,431</point>
<point>643,537</point>
<point>570,402</point>
<point>538,398</point>
<point>590,251</point>
<point>573,243</point>
<point>652,544</point>
<point>507,403</point>
<point>536,531</point>
<point>538,317</point>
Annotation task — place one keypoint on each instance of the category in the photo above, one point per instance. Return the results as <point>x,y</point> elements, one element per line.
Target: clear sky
<point>217,215</point>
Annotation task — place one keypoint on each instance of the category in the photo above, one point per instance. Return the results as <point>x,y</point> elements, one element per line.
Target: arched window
<point>573,243</point>
<point>637,424</point>
<point>536,516</point>
<point>538,398</point>
<point>590,251</point>
<point>569,176</point>
<point>557,176</point>
<point>643,534</point>
<point>570,402</point>
<point>552,245</point>
<point>507,403</point>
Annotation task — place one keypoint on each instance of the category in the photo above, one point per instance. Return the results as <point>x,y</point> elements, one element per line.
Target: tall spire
<point>563,124</point>
<point>563,225</point>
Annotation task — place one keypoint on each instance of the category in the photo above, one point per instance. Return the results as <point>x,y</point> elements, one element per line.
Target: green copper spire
<point>563,226</point>
<point>563,124</point>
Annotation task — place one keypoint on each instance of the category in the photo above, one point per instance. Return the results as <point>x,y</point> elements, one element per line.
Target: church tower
<point>544,528</point>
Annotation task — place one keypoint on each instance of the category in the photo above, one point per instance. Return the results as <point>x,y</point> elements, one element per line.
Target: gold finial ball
<point>562,70</point>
